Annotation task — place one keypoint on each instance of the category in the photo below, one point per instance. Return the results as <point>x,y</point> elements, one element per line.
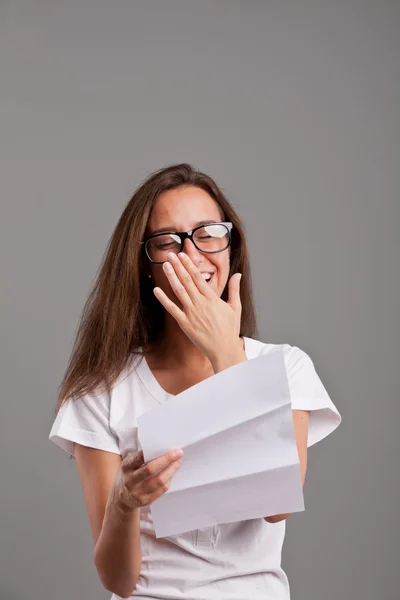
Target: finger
<point>150,498</point>
<point>153,467</point>
<point>234,292</point>
<point>169,306</point>
<point>176,285</point>
<point>187,278</point>
<point>198,279</point>
<point>162,478</point>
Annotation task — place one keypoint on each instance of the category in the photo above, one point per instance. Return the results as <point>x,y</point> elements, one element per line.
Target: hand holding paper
<point>138,484</point>
<point>240,455</point>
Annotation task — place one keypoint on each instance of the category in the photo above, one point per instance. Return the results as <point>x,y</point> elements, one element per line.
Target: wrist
<point>122,504</point>
<point>228,358</point>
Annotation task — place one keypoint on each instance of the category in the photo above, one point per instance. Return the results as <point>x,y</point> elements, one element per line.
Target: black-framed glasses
<point>209,238</point>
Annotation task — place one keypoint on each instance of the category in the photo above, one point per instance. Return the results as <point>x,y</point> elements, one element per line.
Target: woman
<point>172,305</point>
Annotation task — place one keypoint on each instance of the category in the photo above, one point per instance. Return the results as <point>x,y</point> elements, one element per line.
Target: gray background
<point>291,106</point>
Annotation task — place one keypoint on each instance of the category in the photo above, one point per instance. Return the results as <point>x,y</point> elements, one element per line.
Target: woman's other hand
<point>138,483</point>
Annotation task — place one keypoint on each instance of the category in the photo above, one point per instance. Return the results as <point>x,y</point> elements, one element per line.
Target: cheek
<point>225,263</point>
<point>223,268</point>
<point>161,280</point>
<point>159,277</point>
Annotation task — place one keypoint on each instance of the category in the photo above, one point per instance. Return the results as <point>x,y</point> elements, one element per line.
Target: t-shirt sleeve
<point>86,421</point>
<point>307,392</point>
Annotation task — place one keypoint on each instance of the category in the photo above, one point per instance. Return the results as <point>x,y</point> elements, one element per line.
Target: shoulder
<point>292,354</point>
<point>307,391</point>
<point>298,363</point>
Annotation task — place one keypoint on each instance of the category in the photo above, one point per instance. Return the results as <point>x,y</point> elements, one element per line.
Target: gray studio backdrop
<point>291,106</point>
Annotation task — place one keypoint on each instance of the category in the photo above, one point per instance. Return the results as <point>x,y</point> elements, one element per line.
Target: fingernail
<point>177,453</point>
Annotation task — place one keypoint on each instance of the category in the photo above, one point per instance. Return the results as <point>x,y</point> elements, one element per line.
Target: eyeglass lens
<point>210,238</point>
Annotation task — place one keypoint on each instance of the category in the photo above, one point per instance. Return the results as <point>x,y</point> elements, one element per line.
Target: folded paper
<point>240,457</point>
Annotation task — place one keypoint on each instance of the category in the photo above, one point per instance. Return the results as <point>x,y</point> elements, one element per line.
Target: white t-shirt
<point>235,561</point>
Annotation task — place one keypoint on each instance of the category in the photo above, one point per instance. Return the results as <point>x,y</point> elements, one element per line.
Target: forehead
<point>182,208</point>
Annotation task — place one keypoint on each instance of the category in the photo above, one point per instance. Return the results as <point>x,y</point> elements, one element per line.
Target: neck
<point>175,350</point>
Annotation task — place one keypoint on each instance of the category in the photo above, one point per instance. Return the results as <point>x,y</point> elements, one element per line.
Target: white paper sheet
<point>240,457</point>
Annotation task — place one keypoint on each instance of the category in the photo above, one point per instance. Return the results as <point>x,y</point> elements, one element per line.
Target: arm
<point>300,422</point>
<point>115,531</point>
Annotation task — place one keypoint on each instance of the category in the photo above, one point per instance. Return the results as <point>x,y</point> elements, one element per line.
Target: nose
<point>190,249</point>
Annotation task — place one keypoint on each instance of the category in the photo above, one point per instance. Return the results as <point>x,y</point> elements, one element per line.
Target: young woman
<point>172,305</point>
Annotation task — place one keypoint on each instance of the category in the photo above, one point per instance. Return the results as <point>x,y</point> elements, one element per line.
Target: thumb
<point>234,292</point>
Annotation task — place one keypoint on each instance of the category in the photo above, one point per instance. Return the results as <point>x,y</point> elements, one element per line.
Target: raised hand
<point>212,324</point>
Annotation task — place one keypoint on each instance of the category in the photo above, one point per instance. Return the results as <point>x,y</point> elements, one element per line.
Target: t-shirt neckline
<point>151,384</point>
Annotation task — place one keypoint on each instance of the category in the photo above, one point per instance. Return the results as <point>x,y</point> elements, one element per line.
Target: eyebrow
<point>172,230</point>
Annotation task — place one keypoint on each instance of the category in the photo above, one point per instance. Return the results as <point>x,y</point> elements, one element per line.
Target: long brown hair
<point>121,314</point>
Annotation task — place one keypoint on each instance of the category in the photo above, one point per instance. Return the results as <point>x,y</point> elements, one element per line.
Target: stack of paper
<point>240,456</point>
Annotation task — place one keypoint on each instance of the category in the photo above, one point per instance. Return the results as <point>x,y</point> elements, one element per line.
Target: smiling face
<point>181,210</point>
